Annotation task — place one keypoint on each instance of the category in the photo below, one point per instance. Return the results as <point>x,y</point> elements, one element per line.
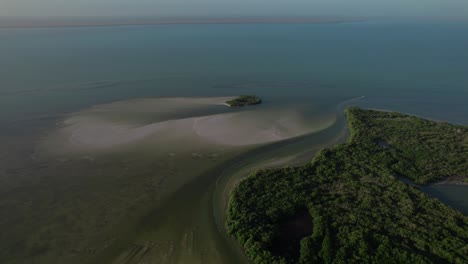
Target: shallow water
<point>136,203</point>
<point>99,198</point>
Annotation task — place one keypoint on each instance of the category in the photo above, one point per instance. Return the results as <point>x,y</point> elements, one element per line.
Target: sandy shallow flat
<point>255,127</point>
<point>133,181</point>
<point>169,120</point>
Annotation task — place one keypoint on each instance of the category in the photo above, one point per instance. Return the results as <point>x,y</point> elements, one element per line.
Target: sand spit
<point>255,127</point>
<point>162,120</point>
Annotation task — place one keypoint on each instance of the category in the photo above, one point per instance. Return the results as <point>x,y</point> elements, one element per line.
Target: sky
<point>458,8</point>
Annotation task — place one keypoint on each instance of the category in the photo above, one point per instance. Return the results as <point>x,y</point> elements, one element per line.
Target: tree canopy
<point>244,100</point>
<point>360,212</point>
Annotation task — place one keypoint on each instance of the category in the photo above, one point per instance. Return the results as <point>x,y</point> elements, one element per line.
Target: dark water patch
<point>453,195</point>
<point>290,233</point>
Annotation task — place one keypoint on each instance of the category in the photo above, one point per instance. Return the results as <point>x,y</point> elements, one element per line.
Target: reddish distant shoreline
<point>108,22</point>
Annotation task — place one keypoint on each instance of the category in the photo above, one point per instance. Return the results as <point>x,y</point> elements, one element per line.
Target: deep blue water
<point>416,67</point>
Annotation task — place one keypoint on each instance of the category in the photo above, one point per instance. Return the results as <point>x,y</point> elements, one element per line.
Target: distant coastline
<point>43,22</point>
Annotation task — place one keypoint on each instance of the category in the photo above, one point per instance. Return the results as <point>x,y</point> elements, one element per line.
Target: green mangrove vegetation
<point>348,206</point>
<point>244,100</point>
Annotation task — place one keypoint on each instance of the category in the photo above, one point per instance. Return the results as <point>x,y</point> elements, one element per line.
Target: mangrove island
<point>348,204</point>
<point>244,100</point>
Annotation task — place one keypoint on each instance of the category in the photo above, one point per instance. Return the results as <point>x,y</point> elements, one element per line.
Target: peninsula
<point>348,205</point>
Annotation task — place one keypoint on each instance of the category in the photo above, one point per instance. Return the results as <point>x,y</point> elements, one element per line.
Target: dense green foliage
<point>244,100</point>
<point>424,151</point>
<point>361,212</point>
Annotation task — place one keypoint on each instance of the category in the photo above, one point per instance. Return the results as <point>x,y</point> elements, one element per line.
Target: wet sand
<point>133,181</point>
<point>194,226</point>
<point>106,127</point>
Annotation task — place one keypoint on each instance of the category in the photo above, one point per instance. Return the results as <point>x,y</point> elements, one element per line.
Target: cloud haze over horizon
<point>230,7</point>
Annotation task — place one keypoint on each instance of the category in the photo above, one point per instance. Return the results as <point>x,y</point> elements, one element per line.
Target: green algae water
<point>164,203</point>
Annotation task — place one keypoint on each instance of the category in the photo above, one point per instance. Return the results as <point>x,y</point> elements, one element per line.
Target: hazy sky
<point>234,7</point>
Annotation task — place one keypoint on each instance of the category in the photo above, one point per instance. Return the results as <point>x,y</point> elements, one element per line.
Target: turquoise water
<point>417,67</point>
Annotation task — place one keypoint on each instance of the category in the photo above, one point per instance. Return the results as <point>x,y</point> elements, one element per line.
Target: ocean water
<point>413,66</point>
<point>96,208</point>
